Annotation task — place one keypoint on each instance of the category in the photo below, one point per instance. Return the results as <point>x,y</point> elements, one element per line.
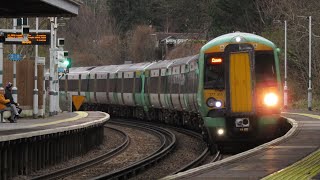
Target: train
<point>230,91</point>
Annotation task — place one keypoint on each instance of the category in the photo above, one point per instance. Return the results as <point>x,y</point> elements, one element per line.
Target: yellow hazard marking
<point>303,169</point>
<point>304,114</point>
<point>77,101</point>
<point>80,115</point>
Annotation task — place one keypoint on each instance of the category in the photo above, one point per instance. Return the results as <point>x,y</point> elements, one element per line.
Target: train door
<point>183,87</point>
<point>128,86</point>
<point>239,64</point>
<point>163,87</point>
<point>154,93</point>
<point>101,88</point>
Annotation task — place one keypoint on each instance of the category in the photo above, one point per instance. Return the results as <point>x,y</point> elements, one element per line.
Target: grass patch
<point>303,104</point>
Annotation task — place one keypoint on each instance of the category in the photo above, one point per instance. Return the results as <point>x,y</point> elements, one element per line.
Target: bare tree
<point>141,44</point>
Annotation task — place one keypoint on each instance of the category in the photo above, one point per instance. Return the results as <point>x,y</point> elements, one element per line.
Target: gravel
<point>187,150</point>
<point>141,145</point>
<point>112,140</point>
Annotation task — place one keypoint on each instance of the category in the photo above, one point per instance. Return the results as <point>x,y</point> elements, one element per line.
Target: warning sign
<point>77,101</point>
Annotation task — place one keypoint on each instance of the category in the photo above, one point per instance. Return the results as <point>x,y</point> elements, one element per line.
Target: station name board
<point>33,39</point>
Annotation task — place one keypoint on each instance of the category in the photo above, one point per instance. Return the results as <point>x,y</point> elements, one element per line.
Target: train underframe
<point>260,130</point>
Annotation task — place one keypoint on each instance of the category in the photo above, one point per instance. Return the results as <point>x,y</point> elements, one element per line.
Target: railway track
<point>168,141</point>
<point>200,159</point>
<point>104,157</point>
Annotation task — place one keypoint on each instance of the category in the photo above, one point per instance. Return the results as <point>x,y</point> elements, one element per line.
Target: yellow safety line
<point>306,168</point>
<point>80,115</point>
<point>304,114</point>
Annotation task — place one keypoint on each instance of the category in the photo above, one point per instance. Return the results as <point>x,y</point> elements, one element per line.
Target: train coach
<point>231,90</point>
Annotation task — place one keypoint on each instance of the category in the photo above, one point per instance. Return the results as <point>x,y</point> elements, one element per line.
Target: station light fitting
<point>60,42</point>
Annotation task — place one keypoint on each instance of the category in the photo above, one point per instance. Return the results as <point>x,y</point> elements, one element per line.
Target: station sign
<point>15,57</point>
<point>33,39</point>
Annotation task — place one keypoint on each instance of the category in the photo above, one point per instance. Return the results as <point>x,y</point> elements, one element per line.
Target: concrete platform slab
<point>26,127</point>
<point>295,155</point>
<point>34,144</point>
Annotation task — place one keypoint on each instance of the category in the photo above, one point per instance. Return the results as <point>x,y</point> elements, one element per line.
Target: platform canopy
<point>39,8</point>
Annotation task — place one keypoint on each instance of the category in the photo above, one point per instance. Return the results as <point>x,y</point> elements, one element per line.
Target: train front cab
<point>241,90</point>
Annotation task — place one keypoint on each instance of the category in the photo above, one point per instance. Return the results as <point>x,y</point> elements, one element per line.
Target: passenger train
<point>230,91</point>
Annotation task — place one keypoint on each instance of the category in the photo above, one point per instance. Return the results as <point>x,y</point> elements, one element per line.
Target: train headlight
<point>239,39</point>
<point>211,102</point>
<point>218,104</point>
<point>270,99</point>
<point>220,131</point>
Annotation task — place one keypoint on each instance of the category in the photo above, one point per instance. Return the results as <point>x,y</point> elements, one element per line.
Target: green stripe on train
<point>303,169</point>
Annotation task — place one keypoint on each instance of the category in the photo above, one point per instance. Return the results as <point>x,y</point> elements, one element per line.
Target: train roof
<point>230,38</point>
<point>160,64</point>
<point>107,69</point>
<point>120,67</point>
<point>184,60</point>
<point>81,69</point>
<point>135,67</point>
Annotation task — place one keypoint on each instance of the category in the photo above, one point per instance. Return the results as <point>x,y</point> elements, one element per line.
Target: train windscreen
<point>214,71</point>
<point>265,67</point>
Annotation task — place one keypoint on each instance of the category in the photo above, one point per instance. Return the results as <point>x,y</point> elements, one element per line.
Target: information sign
<point>33,39</point>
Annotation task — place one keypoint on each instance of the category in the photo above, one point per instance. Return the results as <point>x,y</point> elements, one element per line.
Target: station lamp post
<point>309,87</point>
<point>285,88</point>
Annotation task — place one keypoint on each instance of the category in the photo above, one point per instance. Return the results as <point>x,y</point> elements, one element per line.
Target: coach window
<point>91,85</point>
<point>190,82</point>
<point>101,85</point>
<point>73,85</point>
<point>174,82</point>
<point>112,85</point>
<point>127,85</point>
<point>62,85</point>
<point>154,83</point>
<point>84,85</point>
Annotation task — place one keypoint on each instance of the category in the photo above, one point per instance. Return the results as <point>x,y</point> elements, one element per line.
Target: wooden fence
<point>25,81</point>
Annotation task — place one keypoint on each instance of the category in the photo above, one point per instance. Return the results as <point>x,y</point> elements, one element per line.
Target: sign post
<point>14,50</point>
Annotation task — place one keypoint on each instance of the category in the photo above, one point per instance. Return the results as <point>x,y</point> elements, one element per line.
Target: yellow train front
<point>239,93</point>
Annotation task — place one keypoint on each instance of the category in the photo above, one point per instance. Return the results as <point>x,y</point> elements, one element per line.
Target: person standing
<point>4,105</point>
<point>13,105</point>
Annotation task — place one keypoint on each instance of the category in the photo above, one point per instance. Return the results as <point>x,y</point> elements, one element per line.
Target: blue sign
<point>15,57</point>
<point>60,70</point>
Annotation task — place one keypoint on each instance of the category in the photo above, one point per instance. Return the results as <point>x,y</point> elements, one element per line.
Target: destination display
<point>33,39</point>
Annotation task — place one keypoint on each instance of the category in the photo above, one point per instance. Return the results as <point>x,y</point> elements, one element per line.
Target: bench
<point>2,111</point>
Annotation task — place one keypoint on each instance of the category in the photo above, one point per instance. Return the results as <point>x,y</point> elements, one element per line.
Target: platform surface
<point>293,156</point>
<point>26,127</point>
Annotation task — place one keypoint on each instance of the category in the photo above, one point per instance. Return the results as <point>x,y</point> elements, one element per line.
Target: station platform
<point>26,127</point>
<point>33,144</point>
<point>296,155</point>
